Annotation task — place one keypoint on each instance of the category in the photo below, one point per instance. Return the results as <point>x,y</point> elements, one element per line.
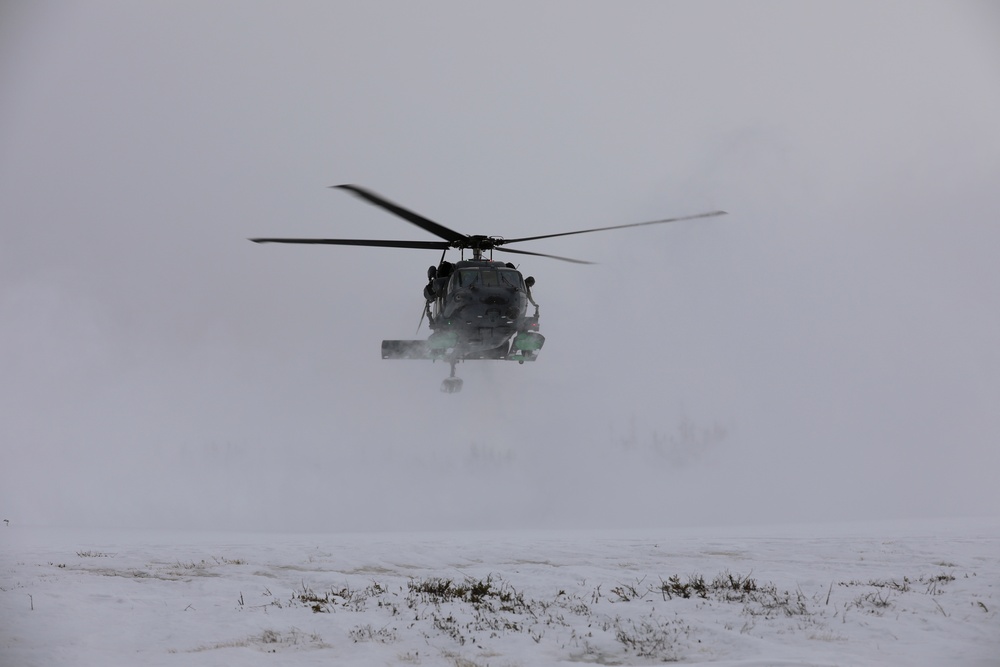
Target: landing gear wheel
<point>451,385</point>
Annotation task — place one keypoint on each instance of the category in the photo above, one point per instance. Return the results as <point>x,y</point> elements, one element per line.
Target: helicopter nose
<point>495,299</point>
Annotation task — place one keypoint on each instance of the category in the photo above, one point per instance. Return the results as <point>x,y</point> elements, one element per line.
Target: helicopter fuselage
<point>482,301</point>
<point>477,309</point>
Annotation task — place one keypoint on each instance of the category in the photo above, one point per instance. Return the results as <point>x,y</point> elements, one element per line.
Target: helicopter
<point>476,308</point>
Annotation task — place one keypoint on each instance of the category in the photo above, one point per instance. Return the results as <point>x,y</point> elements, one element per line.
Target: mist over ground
<point>827,351</point>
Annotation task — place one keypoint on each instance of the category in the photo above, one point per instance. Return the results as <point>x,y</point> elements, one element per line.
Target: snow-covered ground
<point>915,593</point>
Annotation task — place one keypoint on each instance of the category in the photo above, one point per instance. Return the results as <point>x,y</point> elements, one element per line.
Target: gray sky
<point>829,350</point>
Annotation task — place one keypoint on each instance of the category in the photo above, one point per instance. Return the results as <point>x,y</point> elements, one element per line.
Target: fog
<point>826,351</point>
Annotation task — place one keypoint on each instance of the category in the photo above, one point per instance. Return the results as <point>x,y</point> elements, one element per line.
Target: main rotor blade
<point>541,254</point>
<point>417,219</point>
<point>425,245</point>
<point>634,224</point>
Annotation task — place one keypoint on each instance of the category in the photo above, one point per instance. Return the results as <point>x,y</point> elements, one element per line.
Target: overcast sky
<point>830,350</point>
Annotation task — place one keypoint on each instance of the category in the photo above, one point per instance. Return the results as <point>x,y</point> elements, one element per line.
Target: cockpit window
<point>468,277</point>
<point>510,278</point>
<point>487,278</point>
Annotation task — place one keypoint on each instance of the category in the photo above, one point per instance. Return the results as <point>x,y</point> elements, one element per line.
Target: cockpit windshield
<point>487,277</point>
<point>510,278</point>
<point>468,277</point>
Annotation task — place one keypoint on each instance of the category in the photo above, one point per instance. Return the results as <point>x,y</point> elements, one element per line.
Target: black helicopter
<point>476,308</point>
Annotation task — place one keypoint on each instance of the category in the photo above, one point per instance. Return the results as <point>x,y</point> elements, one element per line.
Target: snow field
<point>917,594</point>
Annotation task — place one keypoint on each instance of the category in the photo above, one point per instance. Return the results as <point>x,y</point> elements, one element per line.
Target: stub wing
<point>407,349</point>
<point>524,347</point>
